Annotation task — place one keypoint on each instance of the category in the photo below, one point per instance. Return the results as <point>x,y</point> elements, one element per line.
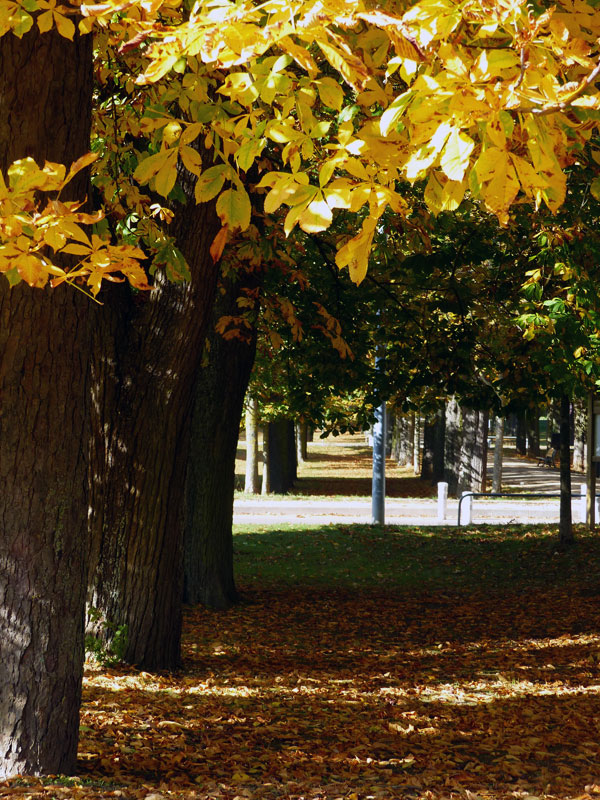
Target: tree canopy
<point>318,104</point>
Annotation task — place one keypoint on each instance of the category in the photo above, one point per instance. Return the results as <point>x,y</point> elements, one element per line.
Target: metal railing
<point>507,494</point>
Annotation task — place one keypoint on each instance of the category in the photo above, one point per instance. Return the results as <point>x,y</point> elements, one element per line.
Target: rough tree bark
<point>251,482</point>
<point>219,393</point>
<point>45,344</point>
<point>143,397</point>
<point>472,471</point>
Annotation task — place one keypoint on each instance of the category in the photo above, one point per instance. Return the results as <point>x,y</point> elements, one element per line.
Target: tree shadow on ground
<point>328,694</point>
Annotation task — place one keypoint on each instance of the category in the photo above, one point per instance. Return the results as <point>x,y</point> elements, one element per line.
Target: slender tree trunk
<point>394,421</point>
<point>438,448</point>
<point>521,439</point>
<point>304,441</point>
<point>45,347</point>
<point>498,453</point>
<point>300,429</point>
<point>416,442</point>
<point>553,424</point>
<point>428,449</point>
<point>565,535</point>
<point>579,443</point>
<point>265,487</point>
<point>406,439</point>
<point>532,418</point>
<point>219,397</point>
<point>142,403</point>
<point>251,485</point>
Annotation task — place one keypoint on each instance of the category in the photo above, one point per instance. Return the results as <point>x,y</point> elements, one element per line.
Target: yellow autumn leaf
<point>31,270</point>
<point>502,190</point>
<point>350,67</point>
<point>148,168</point>
<point>394,112</point>
<point>355,253</point>
<point>64,26</point>
<point>316,217</point>
<point>456,156</point>
<point>487,163</point>
<point>282,191</point>
<point>45,21</point>
<point>81,163</point>
<point>531,183</point>
<point>165,178</point>
<point>330,92</point>
<point>234,209</point>
<point>442,194</point>
<point>192,160</point>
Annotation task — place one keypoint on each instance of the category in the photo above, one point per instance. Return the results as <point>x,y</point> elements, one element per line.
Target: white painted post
<point>583,504</point>
<point>442,503</point>
<point>466,510</point>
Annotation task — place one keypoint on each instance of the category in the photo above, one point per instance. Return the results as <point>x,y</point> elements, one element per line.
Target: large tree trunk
<point>281,455</point>
<point>143,398</point>
<point>565,534</point>
<point>45,345</point>
<point>219,398</point>
<point>473,453</point>
<point>452,445</point>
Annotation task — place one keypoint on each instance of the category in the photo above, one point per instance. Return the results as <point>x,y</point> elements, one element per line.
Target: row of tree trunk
<point>454,443</point>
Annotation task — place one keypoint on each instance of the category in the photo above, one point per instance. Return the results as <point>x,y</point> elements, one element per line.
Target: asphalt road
<point>518,476</point>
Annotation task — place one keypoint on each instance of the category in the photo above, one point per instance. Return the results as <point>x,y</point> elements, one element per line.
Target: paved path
<point>518,475</point>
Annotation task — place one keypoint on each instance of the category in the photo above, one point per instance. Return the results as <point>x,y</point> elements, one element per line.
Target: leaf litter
<point>317,694</point>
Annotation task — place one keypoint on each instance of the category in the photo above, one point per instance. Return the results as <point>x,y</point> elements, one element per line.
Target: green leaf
<point>210,183</point>
<point>233,208</point>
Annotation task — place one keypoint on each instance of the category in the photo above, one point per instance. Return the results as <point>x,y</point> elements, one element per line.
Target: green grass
<point>412,559</point>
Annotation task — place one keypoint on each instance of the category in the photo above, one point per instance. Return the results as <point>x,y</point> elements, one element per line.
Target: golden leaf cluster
<point>330,104</point>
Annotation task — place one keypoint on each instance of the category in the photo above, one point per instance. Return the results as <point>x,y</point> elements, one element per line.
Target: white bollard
<point>583,504</point>
<point>466,509</point>
<point>442,503</point>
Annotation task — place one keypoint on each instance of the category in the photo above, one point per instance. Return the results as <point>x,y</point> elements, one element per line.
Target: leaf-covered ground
<point>475,674</point>
<point>345,471</point>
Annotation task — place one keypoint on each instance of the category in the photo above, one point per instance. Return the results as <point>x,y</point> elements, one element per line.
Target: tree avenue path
<point>334,486</point>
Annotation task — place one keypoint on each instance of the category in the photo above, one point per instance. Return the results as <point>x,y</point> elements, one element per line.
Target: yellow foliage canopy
<point>490,99</point>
